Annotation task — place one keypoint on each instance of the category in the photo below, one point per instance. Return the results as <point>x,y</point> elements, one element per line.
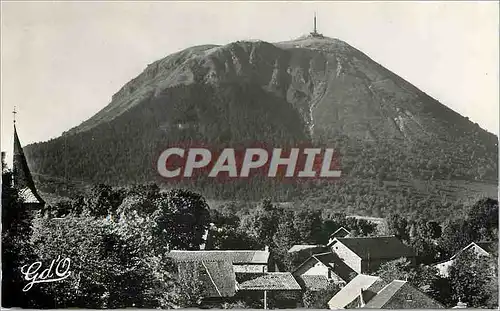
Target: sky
<point>61,62</point>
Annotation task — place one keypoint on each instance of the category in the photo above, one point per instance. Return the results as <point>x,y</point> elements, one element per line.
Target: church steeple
<point>22,179</point>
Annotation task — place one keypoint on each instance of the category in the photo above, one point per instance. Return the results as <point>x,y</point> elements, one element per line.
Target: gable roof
<point>301,247</point>
<point>377,247</point>
<point>352,290</point>
<point>217,277</point>
<point>486,246</point>
<point>340,233</point>
<point>339,266</point>
<point>267,281</point>
<point>232,256</point>
<point>333,262</point>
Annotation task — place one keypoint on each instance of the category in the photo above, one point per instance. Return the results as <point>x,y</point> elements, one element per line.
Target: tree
<point>231,238</point>
<point>398,226</point>
<point>182,217</point>
<point>308,225</point>
<point>285,236</point>
<point>16,251</point>
<point>319,299</point>
<point>456,235</point>
<point>398,269</point>
<point>483,218</point>
<point>262,222</point>
<point>471,278</point>
<point>103,200</point>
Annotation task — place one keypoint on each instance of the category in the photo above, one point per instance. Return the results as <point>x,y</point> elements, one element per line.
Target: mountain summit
<point>314,88</point>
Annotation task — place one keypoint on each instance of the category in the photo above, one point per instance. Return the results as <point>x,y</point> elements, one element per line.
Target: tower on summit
<point>315,22</point>
<point>315,30</point>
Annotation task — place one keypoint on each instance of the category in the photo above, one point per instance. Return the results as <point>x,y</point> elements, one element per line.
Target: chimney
<point>266,248</point>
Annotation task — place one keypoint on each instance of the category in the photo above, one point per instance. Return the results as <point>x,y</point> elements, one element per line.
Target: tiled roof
<point>352,290</point>
<point>313,282</point>
<point>384,295</point>
<point>267,281</point>
<point>298,248</point>
<point>377,247</point>
<point>233,256</point>
<point>417,298</point>
<point>217,277</point>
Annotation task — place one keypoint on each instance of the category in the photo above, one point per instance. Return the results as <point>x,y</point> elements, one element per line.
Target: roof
<point>377,247</point>
<point>217,277</point>
<point>385,294</point>
<point>23,181</point>
<point>352,290</point>
<point>301,247</point>
<point>339,266</point>
<point>267,281</point>
<point>340,233</point>
<point>334,263</point>
<point>313,282</point>
<point>486,246</point>
<point>233,256</point>
<point>28,196</point>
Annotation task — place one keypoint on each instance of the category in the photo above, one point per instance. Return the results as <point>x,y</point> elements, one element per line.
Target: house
<point>372,292</point>
<point>365,254</point>
<point>484,248</point>
<point>253,261</point>
<point>339,233</point>
<point>322,269</point>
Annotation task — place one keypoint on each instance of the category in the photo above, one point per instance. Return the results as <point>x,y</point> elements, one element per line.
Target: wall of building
<point>250,268</point>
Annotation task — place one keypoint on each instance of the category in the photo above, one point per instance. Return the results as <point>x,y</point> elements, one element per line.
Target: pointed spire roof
<point>23,181</point>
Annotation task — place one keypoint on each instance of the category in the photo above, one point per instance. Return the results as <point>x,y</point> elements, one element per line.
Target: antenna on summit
<point>14,114</point>
<point>315,29</point>
<point>315,23</point>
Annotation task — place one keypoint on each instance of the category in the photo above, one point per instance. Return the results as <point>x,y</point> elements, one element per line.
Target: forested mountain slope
<point>396,143</point>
